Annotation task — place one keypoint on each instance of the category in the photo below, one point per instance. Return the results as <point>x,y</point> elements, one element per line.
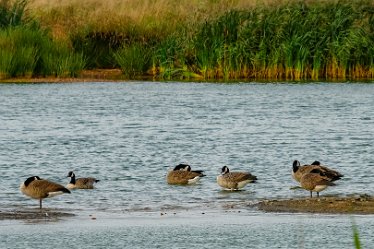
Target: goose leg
<point>311,195</point>
<point>318,194</point>
<point>40,203</point>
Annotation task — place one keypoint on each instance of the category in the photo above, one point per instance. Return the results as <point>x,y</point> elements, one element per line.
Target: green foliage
<point>31,52</point>
<point>97,47</point>
<point>19,48</point>
<point>26,50</point>
<point>12,13</point>
<point>292,41</point>
<point>356,236</point>
<point>58,60</point>
<point>133,59</point>
<point>295,40</point>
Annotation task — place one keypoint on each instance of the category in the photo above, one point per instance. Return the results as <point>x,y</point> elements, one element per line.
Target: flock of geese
<point>38,188</point>
<point>312,177</point>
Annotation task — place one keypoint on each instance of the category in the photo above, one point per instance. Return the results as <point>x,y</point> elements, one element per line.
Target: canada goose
<point>80,183</point>
<point>182,174</point>
<point>234,180</point>
<point>37,188</point>
<point>315,181</point>
<point>298,171</point>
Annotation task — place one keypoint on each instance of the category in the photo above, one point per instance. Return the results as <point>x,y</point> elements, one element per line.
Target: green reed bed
<point>12,13</point>
<point>26,50</point>
<point>134,59</point>
<point>294,40</point>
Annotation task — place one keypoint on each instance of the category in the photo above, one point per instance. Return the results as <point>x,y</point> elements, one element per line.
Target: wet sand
<point>33,214</point>
<point>357,204</point>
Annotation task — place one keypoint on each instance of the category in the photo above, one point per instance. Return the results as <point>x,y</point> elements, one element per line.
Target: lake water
<point>130,134</point>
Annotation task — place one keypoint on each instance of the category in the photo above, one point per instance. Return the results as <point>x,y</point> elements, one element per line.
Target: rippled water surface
<point>129,135</point>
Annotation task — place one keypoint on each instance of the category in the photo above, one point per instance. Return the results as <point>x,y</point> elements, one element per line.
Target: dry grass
<point>68,16</point>
<point>211,38</point>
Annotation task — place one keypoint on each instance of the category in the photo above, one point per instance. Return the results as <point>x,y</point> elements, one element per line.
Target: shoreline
<point>95,75</point>
<point>116,75</point>
<point>356,204</point>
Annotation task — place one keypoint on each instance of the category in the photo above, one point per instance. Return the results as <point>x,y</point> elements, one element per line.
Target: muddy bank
<point>95,75</point>
<point>357,204</point>
<point>33,215</point>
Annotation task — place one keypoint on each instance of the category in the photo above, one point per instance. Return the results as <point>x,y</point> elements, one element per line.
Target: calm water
<point>129,135</point>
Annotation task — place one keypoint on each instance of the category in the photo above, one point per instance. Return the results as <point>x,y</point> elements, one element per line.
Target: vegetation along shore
<point>188,39</point>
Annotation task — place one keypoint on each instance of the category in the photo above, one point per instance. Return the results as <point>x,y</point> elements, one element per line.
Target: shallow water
<point>191,230</point>
<point>129,135</point>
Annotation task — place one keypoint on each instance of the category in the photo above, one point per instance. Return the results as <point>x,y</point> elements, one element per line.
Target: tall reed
<point>12,13</point>
<point>293,40</point>
<point>18,52</point>
<point>56,59</point>
<point>134,60</point>
<point>27,50</point>
<point>356,236</point>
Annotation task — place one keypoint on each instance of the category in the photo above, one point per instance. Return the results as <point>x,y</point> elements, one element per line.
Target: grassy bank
<point>27,50</point>
<point>164,39</point>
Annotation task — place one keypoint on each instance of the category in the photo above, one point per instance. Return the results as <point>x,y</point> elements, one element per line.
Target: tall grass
<point>134,60</point>
<point>295,41</point>
<point>238,39</point>
<point>56,59</point>
<point>12,13</point>
<point>356,236</point>
<point>18,52</point>
<point>26,50</point>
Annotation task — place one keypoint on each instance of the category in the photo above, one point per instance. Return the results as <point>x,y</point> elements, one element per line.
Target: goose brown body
<point>315,181</point>
<point>182,174</point>
<point>81,183</point>
<point>38,188</point>
<point>234,180</point>
<point>298,171</point>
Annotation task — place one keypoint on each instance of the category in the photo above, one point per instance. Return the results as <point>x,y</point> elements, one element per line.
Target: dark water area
<point>130,134</point>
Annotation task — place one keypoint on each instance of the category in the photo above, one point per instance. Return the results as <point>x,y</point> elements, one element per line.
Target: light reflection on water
<point>129,135</point>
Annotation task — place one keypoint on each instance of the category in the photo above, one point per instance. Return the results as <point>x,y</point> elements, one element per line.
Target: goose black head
<point>182,166</point>
<point>295,166</point>
<point>31,179</point>
<point>71,174</point>
<point>187,168</point>
<point>225,170</point>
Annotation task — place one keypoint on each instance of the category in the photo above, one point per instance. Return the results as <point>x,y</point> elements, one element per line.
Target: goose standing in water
<point>298,171</point>
<point>80,183</point>
<point>37,188</point>
<point>183,175</point>
<point>234,180</point>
